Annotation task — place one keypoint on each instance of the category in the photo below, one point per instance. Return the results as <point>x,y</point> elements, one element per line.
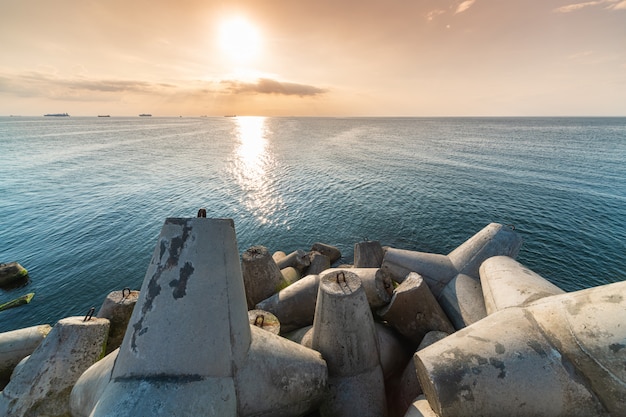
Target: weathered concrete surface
<point>436,269</point>
<point>290,275</point>
<point>294,306</point>
<point>118,307</point>
<point>189,348</point>
<point>43,383</point>
<point>344,333</point>
<point>378,286</point>
<point>507,283</point>
<point>261,275</point>
<point>413,310</point>
<point>91,385</point>
<point>368,254</point>
<point>16,345</point>
<point>560,356</point>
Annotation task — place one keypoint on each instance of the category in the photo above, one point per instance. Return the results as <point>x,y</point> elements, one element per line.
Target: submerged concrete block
<point>261,275</point>
<point>507,283</point>
<point>42,385</point>
<point>118,307</point>
<point>16,345</point>
<point>413,310</point>
<point>344,333</point>
<point>562,355</point>
<point>190,350</point>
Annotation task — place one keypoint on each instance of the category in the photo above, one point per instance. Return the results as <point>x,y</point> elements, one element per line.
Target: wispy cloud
<point>269,86</point>
<point>464,6</point>
<point>610,4</point>
<point>434,13</point>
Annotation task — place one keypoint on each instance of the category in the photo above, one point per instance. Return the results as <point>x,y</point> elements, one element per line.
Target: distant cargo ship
<point>57,115</point>
<point>230,115</point>
<point>145,115</point>
<point>104,115</point>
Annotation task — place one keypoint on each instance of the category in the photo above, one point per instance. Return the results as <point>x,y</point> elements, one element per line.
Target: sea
<point>83,199</point>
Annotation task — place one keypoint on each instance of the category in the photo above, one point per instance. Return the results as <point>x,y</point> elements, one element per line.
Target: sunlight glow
<point>239,40</point>
<point>252,169</point>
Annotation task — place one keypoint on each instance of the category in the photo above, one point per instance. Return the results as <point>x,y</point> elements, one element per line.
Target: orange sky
<point>314,58</point>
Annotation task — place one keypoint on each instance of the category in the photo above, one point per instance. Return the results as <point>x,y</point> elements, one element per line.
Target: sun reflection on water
<point>253,168</point>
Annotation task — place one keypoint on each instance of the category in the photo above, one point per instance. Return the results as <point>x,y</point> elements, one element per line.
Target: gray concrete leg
<point>261,275</point>
<point>413,310</point>
<point>118,307</point>
<point>493,240</point>
<point>298,259</point>
<point>344,333</point>
<point>462,300</point>
<point>420,408</point>
<point>378,286</point>
<point>436,269</point>
<point>16,345</point>
<point>290,275</point>
<point>294,306</point>
<point>507,283</point>
<point>43,383</point>
<point>319,263</point>
<point>91,385</point>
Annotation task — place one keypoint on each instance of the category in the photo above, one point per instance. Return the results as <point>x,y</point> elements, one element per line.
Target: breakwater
<point>418,334</point>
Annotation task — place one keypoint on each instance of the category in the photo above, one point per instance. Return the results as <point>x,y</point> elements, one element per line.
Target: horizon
<point>431,58</point>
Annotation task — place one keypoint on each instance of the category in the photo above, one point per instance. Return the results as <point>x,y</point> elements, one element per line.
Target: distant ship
<point>104,115</point>
<point>57,115</point>
<point>145,115</point>
<point>230,115</point>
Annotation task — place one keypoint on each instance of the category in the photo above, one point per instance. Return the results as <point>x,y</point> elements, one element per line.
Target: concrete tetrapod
<point>439,270</point>
<point>16,345</point>
<point>344,333</point>
<point>261,275</point>
<point>563,355</point>
<point>189,349</point>
<point>507,283</point>
<point>42,385</point>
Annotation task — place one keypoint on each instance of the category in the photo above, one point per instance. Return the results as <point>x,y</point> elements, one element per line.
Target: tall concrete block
<point>507,283</point>
<point>368,254</point>
<point>413,310</point>
<point>344,333</point>
<point>189,348</point>
<point>261,275</point>
<point>42,385</point>
<point>118,307</point>
<point>16,345</point>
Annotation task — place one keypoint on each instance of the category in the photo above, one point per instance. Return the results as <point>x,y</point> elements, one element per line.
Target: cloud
<point>464,6</point>
<point>40,84</point>
<point>269,86</point>
<point>611,5</point>
<point>434,13</point>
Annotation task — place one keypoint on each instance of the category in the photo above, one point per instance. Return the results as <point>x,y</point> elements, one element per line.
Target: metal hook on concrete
<point>512,226</point>
<point>124,291</point>
<point>257,322</point>
<point>202,212</point>
<point>343,276</point>
<point>89,314</point>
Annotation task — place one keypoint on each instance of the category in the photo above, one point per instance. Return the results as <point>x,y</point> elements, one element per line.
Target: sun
<point>239,39</point>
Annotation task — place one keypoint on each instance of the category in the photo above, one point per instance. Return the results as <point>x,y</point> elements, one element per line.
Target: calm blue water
<point>83,199</point>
